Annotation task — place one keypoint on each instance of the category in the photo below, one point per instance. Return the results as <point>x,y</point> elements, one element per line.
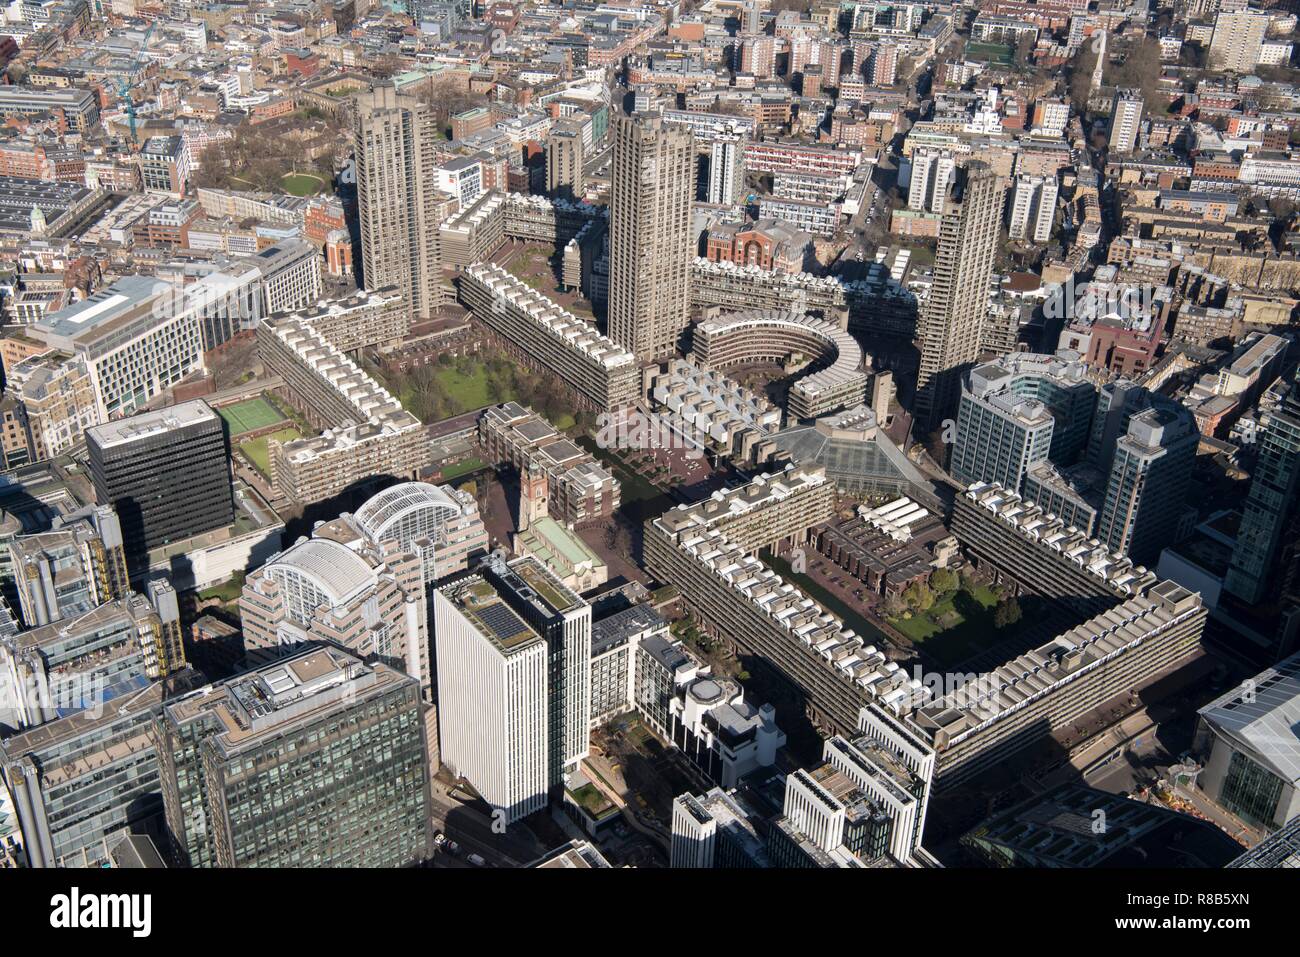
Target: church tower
<point>1101,64</point>
<point>533,495</point>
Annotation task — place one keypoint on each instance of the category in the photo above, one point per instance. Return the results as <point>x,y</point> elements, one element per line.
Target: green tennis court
<point>249,415</point>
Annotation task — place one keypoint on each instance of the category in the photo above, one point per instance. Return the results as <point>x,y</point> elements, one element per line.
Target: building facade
<point>949,329</point>
<point>398,199</point>
<point>314,761</point>
<point>651,242</point>
<point>165,473</point>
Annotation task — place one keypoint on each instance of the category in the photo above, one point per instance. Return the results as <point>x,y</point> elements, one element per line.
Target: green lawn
<point>227,591</point>
<point>258,452</point>
<point>592,800</point>
<point>462,468</point>
<point>302,184</point>
<point>250,415</point>
<point>957,627</point>
<point>468,391</point>
<point>471,391</point>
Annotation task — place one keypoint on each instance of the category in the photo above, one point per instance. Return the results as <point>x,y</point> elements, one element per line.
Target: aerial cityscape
<point>650,434</point>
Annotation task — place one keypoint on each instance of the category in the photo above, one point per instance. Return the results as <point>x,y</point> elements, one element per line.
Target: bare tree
<point>1079,77</point>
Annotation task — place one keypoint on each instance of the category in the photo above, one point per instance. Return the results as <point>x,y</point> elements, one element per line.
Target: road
<point>471,827</point>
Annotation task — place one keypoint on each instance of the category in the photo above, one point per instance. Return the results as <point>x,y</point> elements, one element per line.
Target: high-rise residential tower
<point>564,158</point>
<point>950,325</point>
<point>726,171</point>
<point>398,203</point>
<point>1237,39</point>
<point>650,237</point>
<point>1125,120</point>
<point>932,171</point>
<point>1033,208</point>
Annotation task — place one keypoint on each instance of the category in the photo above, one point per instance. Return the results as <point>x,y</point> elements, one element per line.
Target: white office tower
<point>714,831</point>
<point>861,804</point>
<point>882,728</point>
<point>932,171</point>
<point>1125,120</point>
<point>492,697</point>
<point>1033,207</point>
<point>555,612</point>
<point>694,834</point>
<point>726,172</point>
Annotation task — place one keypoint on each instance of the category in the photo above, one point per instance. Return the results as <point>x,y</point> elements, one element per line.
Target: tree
<point>1079,77</point>
<point>1281,208</point>
<point>618,538</point>
<point>944,582</point>
<point>918,596</point>
<point>1024,51</point>
<point>969,580</point>
<point>1006,613</point>
<point>1141,71</point>
<point>448,97</point>
<point>894,606</point>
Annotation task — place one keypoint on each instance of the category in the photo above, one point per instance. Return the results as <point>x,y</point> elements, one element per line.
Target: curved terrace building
<point>785,337</point>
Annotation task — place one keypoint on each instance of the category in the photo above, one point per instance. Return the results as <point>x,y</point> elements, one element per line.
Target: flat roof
<point>264,702</point>
<point>479,602</point>
<point>146,424</point>
<point>124,298</point>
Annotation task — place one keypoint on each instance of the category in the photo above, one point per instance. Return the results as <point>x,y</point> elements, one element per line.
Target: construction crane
<point>127,84</point>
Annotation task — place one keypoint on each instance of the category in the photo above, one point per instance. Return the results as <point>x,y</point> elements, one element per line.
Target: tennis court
<point>250,414</point>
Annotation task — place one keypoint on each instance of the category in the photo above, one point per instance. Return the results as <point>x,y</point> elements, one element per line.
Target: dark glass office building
<point>167,473</point>
<point>317,760</point>
<point>1271,500</point>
